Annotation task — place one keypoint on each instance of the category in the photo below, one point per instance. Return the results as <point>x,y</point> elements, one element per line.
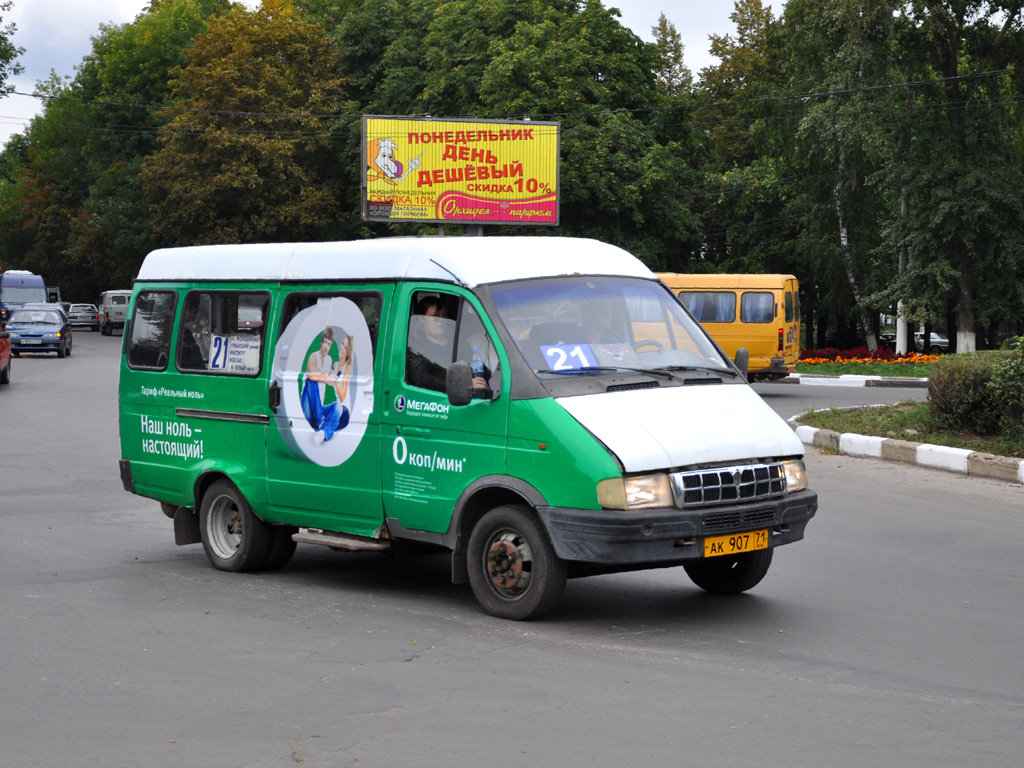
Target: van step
<point>341,541</point>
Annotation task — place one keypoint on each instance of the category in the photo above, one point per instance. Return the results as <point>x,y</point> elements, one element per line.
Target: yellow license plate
<point>737,542</point>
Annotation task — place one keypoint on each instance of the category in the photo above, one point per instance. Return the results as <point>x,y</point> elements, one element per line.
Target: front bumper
<point>23,344</point>
<point>614,537</point>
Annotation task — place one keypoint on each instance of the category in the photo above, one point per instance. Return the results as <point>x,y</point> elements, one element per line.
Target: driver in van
<point>429,351</point>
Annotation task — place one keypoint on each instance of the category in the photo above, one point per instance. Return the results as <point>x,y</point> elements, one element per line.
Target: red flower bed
<point>857,353</point>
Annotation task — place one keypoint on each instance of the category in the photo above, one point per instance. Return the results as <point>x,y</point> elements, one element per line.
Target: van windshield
<point>22,294</point>
<point>582,325</point>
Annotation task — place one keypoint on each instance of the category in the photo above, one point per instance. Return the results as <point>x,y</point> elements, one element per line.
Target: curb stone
<point>853,380</point>
<point>959,460</point>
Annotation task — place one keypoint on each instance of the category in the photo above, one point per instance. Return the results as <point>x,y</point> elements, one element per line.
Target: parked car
<point>113,310</point>
<point>39,330</point>
<point>5,355</point>
<point>84,315</point>
<point>936,346</point>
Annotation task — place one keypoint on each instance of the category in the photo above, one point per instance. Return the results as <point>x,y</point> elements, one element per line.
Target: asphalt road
<point>891,636</point>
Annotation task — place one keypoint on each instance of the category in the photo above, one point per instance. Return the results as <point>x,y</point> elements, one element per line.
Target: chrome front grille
<point>725,485</point>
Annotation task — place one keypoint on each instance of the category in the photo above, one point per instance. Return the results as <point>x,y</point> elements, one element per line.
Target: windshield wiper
<point>611,369</point>
<point>712,369</point>
<point>585,369</point>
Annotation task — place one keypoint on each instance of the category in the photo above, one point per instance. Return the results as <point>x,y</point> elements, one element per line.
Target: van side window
<point>710,306</point>
<point>789,306</point>
<point>757,307</point>
<point>369,304</point>
<point>149,342</point>
<point>443,329</point>
<point>222,332</point>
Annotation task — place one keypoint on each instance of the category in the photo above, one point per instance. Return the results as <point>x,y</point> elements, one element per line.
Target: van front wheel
<point>729,574</point>
<point>513,569</point>
<point>234,538</point>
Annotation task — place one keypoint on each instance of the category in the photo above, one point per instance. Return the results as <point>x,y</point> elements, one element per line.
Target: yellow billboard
<point>455,171</point>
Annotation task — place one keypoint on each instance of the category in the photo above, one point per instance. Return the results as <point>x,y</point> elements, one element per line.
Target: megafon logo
<point>400,403</point>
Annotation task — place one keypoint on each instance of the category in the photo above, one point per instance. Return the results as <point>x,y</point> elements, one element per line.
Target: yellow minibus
<point>758,312</point>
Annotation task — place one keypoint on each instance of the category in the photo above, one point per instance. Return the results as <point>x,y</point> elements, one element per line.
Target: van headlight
<point>637,492</point>
<point>796,475</point>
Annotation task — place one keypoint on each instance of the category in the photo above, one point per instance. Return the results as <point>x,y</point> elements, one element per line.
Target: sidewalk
<point>959,460</point>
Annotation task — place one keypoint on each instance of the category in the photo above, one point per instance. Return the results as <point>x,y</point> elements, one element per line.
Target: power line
<point>581,113</point>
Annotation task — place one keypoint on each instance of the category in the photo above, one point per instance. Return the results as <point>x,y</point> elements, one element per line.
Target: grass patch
<point>909,420</point>
<point>917,370</point>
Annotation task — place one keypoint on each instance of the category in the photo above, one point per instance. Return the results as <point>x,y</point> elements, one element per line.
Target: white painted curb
<point>846,380</point>
<point>943,457</point>
<point>806,434</point>
<point>866,446</point>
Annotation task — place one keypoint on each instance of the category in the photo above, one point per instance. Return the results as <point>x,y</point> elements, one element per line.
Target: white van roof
<point>472,260</point>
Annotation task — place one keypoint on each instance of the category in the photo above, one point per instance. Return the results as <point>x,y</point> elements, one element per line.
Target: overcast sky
<point>56,36</point>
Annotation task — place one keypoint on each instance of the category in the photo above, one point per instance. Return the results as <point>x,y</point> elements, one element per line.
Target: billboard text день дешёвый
<point>460,171</point>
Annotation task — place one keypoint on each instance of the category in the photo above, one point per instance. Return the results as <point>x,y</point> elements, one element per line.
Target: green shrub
<point>960,394</point>
<point>1007,388</point>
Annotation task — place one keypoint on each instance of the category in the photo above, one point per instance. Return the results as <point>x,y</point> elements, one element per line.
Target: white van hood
<point>652,429</point>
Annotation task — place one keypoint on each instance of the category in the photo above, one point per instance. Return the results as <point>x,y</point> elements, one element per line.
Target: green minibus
<point>540,408</point>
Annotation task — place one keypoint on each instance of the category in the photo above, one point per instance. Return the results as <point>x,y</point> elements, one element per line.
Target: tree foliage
<point>9,52</point>
<point>874,148</point>
<point>245,155</point>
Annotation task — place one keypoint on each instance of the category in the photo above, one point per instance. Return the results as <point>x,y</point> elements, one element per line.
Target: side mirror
<point>742,360</point>
<point>459,383</point>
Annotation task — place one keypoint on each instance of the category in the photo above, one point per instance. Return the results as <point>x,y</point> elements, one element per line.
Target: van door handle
<point>275,396</point>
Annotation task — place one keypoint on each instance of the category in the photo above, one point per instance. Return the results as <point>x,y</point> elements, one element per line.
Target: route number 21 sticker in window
<point>568,357</point>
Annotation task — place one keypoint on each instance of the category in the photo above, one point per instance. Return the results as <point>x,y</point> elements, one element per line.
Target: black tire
<point>5,374</point>
<point>282,547</point>
<point>936,350</point>
<point>67,351</point>
<point>729,574</point>
<point>62,351</point>
<point>234,538</point>
<point>513,569</point>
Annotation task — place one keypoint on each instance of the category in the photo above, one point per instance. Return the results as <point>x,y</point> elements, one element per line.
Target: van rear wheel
<point>513,569</point>
<point>282,546</point>
<point>234,538</point>
<point>729,574</point>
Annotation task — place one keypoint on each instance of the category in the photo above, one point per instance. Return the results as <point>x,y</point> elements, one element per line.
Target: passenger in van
<point>430,344</point>
<point>321,371</point>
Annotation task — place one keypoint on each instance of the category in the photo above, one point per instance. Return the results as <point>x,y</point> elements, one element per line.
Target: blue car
<point>39,330</point>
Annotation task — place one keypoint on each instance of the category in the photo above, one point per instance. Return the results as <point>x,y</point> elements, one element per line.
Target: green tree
<point>9,52</point>
<point>74,208</point>
<point>674,78</point>
<point>246,154</point>
<point>618,181</point>
<point>967,190</point>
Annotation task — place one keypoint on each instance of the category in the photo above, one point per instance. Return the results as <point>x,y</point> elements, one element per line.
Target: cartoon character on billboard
<point>382,165</point>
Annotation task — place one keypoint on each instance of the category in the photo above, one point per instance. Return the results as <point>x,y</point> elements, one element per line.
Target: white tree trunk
<point>844,244</point>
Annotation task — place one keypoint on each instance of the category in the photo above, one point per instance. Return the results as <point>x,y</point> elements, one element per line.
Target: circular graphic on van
<point>323,364</point>
<point>400,403</point>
